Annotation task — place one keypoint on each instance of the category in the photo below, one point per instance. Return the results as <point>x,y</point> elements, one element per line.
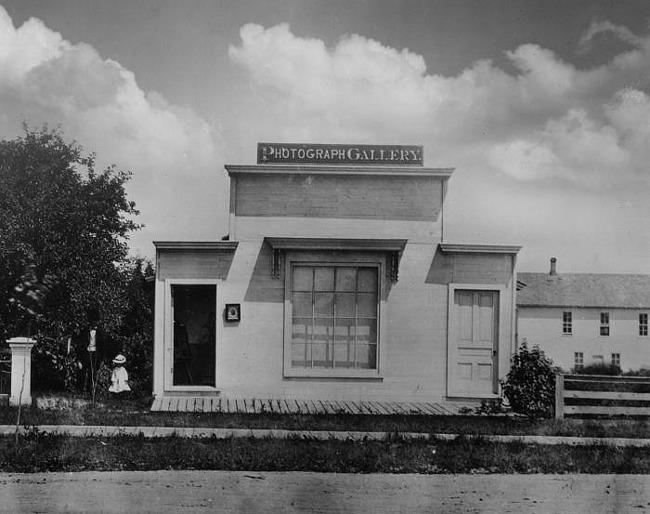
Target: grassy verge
<point>38,452</point>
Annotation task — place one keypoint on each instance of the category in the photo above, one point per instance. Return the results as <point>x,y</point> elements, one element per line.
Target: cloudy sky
<point>543,107</point>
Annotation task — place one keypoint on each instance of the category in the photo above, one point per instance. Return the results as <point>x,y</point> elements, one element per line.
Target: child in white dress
<point>119,378</point>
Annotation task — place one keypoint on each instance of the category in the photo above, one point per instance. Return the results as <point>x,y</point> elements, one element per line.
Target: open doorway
<point>194,334</point>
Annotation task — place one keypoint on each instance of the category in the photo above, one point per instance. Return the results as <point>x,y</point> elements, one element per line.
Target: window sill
<point>338,374</point>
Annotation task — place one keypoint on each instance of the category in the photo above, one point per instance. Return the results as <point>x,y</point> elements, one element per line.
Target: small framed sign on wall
<point>233,312</point>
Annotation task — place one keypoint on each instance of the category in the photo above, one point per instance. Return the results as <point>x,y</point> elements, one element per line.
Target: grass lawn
<point>37,452</point>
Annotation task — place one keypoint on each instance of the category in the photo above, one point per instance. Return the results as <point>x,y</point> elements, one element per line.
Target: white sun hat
<point>120,359</point>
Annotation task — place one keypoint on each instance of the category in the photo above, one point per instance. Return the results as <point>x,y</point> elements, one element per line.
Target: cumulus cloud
<point>24,49</point>
<point>548,120</point>
<point>527,160</point>
<point>607,27</point>
<point>310,78</point>
<point>568,143</point>
<point>629,113</point>
<point>172,152</point>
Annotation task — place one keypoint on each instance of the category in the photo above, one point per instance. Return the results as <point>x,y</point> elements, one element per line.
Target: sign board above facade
<point>295,153</point>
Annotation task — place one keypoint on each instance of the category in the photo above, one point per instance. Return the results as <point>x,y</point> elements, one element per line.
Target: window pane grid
<point>343,332</point>
<point>579,360</point>
<point>604,323</point>
<point>567,323</point>
<point>643,324</point>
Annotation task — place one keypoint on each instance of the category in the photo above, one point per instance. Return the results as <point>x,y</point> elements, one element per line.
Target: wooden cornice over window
<point>473,248</point>
<point>392,247</point>
<point>381,170</point>
<point>227,246</point>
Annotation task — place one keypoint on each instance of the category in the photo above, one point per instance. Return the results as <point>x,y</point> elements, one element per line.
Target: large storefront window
<point>334,316</point>
<point>194,333</point>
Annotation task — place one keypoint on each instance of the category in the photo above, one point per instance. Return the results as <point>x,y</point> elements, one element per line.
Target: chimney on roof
<point>553,270</point>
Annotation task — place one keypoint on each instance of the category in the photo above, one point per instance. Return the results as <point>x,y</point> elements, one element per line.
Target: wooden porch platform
<point>295,406</point>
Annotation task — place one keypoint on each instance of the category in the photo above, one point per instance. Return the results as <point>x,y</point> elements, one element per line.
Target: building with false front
<point>334,284</point>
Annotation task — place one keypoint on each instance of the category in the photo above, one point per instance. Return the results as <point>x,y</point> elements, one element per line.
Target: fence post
<point>21,370</point>
<point>559,395</point>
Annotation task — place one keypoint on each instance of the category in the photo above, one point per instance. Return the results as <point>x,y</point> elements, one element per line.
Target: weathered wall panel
<point>413,345</point>
<point>250,228</point>
<point>194,264</point>
<point>350,197</point>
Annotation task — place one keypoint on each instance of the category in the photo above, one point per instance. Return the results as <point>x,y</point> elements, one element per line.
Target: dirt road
<point>250,492</point>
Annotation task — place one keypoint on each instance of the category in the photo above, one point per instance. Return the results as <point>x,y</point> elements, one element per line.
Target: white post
<point>559,395</point>
<point>21,370</point>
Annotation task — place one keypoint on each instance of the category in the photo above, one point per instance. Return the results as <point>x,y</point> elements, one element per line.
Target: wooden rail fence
<point>601,395</point>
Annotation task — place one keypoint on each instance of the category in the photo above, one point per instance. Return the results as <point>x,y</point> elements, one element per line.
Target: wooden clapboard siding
<point>413,337</point>
<point>249,228</point>
<point>471,268</point>
<point>262,286</point>
<point>412,344</point>
<point>193,264</point>
<point>483,269</point>
<point>350,197</point>
<point>416,333</point>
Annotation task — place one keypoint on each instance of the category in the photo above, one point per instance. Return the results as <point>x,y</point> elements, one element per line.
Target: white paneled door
<point>473,336</point>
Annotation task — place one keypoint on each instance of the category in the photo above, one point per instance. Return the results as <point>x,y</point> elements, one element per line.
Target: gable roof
<point>583,290</point>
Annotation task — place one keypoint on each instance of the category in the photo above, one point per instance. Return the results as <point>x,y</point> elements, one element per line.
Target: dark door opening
<point>194,339</point>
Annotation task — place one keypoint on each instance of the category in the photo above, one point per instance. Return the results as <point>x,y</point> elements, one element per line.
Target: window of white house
<point>643,324</point>
<point>334,316</point>
<point>567,323</point>
<point>604,323</point>
<point>616,359</point>
<point>578,360</point>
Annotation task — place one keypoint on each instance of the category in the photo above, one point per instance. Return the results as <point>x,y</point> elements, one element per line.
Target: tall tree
<point>63,235</point>
<point>136,338</point>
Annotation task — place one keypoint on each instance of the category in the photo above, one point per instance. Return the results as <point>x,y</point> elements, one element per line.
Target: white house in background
<point>334,283</point>
<point>584,318</point>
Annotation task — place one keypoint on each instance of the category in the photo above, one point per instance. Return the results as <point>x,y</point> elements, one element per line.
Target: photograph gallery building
<point>334,283</point>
